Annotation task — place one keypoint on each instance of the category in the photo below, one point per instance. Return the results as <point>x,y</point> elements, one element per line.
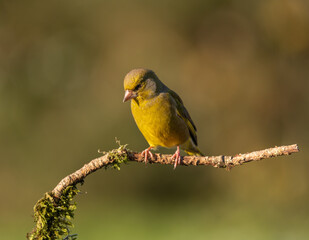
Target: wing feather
<point>183,113</point>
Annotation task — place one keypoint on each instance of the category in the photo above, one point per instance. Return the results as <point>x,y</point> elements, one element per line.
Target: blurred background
<point>241,68</point>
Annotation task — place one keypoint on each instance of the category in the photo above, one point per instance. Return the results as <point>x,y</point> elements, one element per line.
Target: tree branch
<point>54,211</point>
<point>120,155</point>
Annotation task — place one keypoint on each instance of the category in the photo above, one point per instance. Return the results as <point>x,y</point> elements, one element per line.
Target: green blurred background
<point>242,69</point>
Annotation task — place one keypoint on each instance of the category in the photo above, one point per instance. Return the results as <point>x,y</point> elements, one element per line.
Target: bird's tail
<point>191,149</point>
<point>196,152</point>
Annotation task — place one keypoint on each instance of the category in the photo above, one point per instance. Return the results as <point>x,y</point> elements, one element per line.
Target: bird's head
<point>141,84</point>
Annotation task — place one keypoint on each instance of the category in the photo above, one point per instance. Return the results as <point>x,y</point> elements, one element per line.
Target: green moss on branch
<point>53,216</point>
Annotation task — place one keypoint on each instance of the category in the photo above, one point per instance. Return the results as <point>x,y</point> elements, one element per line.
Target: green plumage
<point>159,112</point>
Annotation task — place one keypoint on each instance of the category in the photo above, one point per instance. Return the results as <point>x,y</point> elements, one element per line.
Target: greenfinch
<point>159,114</point>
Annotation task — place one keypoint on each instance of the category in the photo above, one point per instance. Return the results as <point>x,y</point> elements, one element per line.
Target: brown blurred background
<point>241,68</point>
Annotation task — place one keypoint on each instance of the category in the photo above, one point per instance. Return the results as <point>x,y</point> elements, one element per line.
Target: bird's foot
<point>147,153</point>
<point>177,157</point>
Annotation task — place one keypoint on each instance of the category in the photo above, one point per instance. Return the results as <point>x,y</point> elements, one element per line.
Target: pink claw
<point>147,152</point>
<point>177,157</point>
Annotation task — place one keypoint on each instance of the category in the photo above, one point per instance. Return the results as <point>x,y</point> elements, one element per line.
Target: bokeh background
<point>241,68</point>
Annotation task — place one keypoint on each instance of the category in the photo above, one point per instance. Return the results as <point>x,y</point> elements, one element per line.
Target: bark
<point>116,157</point>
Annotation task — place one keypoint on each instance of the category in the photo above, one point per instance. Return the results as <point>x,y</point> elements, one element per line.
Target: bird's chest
<point>153,116</point>
<point>157,120</point>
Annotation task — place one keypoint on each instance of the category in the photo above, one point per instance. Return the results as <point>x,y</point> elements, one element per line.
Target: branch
<point>53,212</point>
<point>120,155</point>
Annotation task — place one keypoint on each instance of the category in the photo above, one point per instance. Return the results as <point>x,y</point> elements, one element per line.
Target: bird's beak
<point>129,94</point>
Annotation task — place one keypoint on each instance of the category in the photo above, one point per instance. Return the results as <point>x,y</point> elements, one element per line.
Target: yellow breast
<point>158,121</point>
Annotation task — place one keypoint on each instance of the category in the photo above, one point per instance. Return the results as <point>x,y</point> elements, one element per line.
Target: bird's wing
<point>183,113</point>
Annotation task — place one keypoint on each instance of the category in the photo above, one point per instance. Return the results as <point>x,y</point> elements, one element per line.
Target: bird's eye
<point>138,86</point>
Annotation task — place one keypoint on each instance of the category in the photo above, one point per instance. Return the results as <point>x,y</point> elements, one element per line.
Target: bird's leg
<point>177,157</point>
<point>147,152</point>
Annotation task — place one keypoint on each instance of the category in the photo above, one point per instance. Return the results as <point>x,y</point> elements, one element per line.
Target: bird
<point>159,114</point>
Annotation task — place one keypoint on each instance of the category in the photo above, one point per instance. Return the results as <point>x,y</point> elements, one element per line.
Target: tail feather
<point>191,149</point>
<point>196,152</point>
